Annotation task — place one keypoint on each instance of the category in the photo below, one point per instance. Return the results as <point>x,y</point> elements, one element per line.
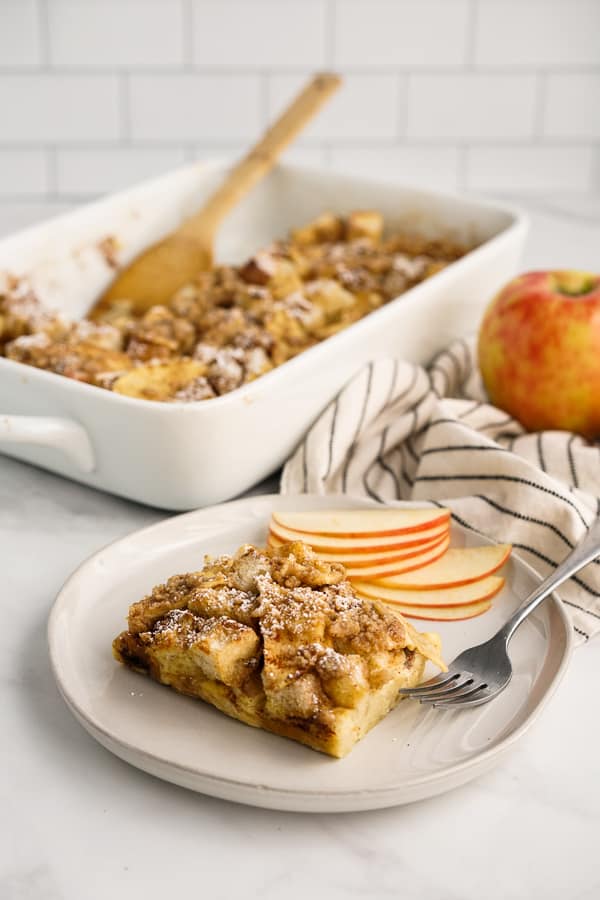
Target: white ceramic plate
<point>414,753</point>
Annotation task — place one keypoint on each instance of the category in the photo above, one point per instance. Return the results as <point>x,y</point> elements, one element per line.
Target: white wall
<point>489,95</point>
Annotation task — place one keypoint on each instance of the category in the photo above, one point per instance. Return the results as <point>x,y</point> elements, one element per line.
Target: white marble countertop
<point>79,824</point>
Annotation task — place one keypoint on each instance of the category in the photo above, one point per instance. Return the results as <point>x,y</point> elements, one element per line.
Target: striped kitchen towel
<point>400,432</point>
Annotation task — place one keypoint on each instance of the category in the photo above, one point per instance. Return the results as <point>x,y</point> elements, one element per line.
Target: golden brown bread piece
<point>277,639</point>
<point>238,321</point>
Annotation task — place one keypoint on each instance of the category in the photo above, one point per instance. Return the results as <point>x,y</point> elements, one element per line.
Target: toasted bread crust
<point>277,639</point>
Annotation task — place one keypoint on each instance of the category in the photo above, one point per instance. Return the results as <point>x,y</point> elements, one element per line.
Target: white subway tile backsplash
<point>403,33</point>
<point>511,169</point>
<point>303,155</point>
<point>206,108</point>
<point>572,107</point>
<point>54,108</point>
<point>489,94</point>
<point>115,33</point>
<point>306,156</point>
<point>23,173</point>
<point>538,32</point>
<point>262,33</point>
<point>366,106</point>
<point>431,167</point>
<point>471,106</point>
<point>100,171</point>
<point>20,38</point>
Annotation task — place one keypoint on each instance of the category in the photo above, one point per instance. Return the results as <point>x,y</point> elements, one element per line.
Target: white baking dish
<point>185,455</point>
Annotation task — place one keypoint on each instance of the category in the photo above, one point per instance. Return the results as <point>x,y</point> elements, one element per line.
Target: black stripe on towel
<point>540,452</point>
<point>352,448</point>
<point>467,349</point>
<point>476,405</point>
<point>405,392</point>
<point>571,459</point>
<point>447,448</point>
<point>446,378</point>
<point>331,436</point>
<point>304,466</point>
<point>380,462</point>
<point>392,385</point>
<point>465,524</point>
<point>525,518</point>
<point>409,440</point>
<point>512,478</point>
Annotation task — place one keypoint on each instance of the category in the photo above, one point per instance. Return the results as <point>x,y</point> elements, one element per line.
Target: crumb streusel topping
<point>233,323</point>
<point>278,639</point>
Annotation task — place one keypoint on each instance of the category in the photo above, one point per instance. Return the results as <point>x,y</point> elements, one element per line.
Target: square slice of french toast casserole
<point>278,639</point>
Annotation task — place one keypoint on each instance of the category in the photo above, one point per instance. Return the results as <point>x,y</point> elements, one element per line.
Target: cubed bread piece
<point>364,224</point>
<point>174,594</point>
<point>277,639</point>
<point>325,228</point>
<point>159,382</point>
<point>344,678</point>
<point>223,649</point>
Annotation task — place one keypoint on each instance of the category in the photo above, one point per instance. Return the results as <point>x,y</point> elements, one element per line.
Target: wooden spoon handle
<point>260,159</point>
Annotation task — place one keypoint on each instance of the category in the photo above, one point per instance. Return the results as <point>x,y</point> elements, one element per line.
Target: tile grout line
<point>124,107</point>
<point>187,23</point>
<point>471,36</point>
<point>232,71</point>
<point>330,31</point>
<point>595,169</point>
<point>402,106</point>
<point>580,142</point>
<point>44,23</point>
<point>51,153</point>
<point>264,99</point>
<point>462,167</point>
<point>541,92</point>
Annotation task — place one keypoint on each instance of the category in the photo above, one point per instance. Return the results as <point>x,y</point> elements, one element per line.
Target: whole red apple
<point>539,351</point>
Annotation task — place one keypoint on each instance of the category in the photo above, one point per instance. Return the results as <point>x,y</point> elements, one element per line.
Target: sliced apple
<point>443,613</point>
<point>463,595</point>
<point>385,570</point>
<point>368,558</point>
<point>357,523</point>
<point>457,566</point>
<point>368,544</point>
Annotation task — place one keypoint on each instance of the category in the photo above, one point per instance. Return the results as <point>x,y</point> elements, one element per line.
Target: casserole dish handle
<point>50,431</point>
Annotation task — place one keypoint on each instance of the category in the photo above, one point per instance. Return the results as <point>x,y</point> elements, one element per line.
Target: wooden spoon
<point>163,268</point>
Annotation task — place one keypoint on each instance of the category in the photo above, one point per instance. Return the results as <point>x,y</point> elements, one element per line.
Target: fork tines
<point>449,690</point>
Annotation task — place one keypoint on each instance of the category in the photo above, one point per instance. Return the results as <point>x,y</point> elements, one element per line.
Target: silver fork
<point>480,673</point>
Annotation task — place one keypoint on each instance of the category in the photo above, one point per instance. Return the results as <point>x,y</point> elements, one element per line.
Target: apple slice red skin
<point>415,562</point>
<point>373,591</point>
<point>438,585</point>
<point>394,555</point>
<point>307,538</point>
<point>443,515</point>
<point>482,607</point>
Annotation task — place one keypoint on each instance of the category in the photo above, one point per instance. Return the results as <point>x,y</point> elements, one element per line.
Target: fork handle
<point>586,551</point>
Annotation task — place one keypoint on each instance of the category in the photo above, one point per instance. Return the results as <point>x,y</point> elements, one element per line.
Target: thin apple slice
<point>443,613</point>
<point>457,566</point>
<point>385,570</point>
<point>363,559</point>
<point>358,523</point>
<point>463,595</point>
<point>369,544</point>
